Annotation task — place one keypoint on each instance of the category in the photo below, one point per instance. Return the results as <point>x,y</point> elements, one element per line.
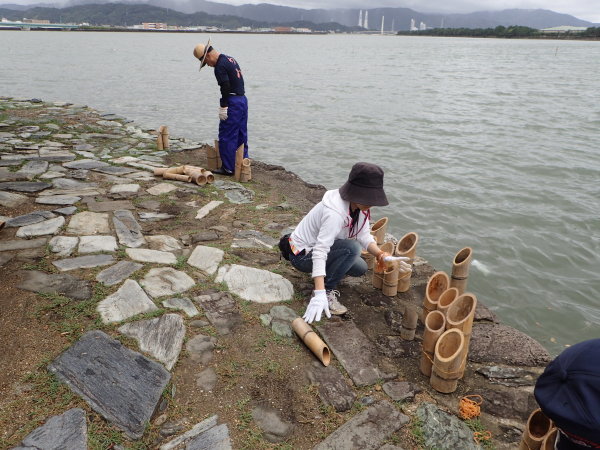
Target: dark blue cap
<point>568,392</point>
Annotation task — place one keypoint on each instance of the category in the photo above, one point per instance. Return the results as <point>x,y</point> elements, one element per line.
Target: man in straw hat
<point>233,111</point>
<point>328,240</point>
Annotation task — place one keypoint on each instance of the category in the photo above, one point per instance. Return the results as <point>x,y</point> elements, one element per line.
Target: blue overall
<point>233,132</point>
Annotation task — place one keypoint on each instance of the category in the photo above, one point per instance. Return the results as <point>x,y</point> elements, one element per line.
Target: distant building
<point>563,29</point>
<point>25,20</point>
<point>282,29</point>
<point>302,30</point>
<point>154,26</point>
<point>412,25</point>
<point>422,26</point>
<point>366,21</point>
<point>360,23</point>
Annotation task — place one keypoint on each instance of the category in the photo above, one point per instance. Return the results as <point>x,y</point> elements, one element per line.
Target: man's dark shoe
<point>222,171</point>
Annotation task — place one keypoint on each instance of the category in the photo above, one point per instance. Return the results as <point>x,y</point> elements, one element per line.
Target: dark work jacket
<point>229,76</point>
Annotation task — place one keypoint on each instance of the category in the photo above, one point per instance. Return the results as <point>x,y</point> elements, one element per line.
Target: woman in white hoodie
<point>328,240</point>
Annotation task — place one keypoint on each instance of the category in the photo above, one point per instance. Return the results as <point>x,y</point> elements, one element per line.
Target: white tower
<point>412,25</point>
<point>366,22</point>
<point>360,18</point>
<point>382,19</point>
<point>422,26</point>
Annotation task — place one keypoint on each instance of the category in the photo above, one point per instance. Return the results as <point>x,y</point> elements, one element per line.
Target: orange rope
<point>479,436</point>
<point>469,408</point>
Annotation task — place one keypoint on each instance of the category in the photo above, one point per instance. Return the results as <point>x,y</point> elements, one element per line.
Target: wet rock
<point>507,402</point>
<point>118,272</point>
<point>274,428</point>
<point>66,431</point>
<point>367,430</point>
<point>207,379</point>
<point>30,219</point>
<point>508,376</point>
<point>182,303</point>
<point>128,229</point>
<point>87,223</point>
<point>164,281</point>
<point>207,259</point>
<point>24,186</point>
<point>83,262</point>
<point>95,244</point>
<point>444,431</point>
<point>161,338</point>
<point>255,285</point>
<point>401,390</point>
<point>333,389</point>
<point>120,384</point>
<point>128,301</point>
<point>221,310</point>
<point>51,226</point>
<point>146,255</point>
<point>200,348</point>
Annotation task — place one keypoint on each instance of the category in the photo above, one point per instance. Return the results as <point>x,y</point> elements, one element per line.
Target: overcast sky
<point>582,9</point>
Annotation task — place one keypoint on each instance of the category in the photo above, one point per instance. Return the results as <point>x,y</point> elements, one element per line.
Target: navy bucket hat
<point>568,392</point>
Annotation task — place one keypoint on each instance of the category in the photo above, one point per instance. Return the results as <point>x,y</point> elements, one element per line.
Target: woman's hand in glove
<point>318,303</point>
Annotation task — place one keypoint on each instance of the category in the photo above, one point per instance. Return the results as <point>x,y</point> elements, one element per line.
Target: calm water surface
<point>487,143</point>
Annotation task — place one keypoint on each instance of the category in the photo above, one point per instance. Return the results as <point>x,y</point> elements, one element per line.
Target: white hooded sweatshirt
<point>327,221</point>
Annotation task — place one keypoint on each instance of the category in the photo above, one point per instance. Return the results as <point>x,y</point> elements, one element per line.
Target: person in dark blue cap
<point>568,393</point>
<point>233,111</point>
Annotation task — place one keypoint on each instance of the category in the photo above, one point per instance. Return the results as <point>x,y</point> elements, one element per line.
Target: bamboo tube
<point>176,176</point>
<point>210,178</point>
<point>246,174</point>
<point>312,340</point>
<point>159,139</point>
<point>189,169</point>
<point>538,427</point>
<point>239,157</point>
<point>390,281</point>
<point>460,315</point>
<point>445,300</point>
<point>409,324</point>
<point>460,269</point>
<point>211,158</point>
<point>549,440</point>
<point>198,177</point>
<point>435,324</point>
<point>404,281</point>
<point>218,152</point>
<point>164,134</point>
<point>177,170</point>
<point>378,275</point>
<point>446,361</point>
<point>378,231</point>
<point>407,245</point>
<point>369,259</point>
<point>160,170</point>
<point>438,283</point>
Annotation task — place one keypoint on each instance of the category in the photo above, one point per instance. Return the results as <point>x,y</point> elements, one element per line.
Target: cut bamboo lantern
<point>246,174</point>
<point>370,259</point>
<point>409,324</point>
<point>239,157</point>
<point>435,325</point>
<point>199,178</point>
<point>210,178</point>
<point>164,135</point>
<point>211,157</point>
<point>404,281</point>
<point>438,283</point>
<point>390,281</point>
<point>538,427</point>
<point>460,269</point>
<point>549,440</point>
<point>407,245</point>
<point>312,340</point>
<point>377,275</point>
<point>445,300</point>
<point>460,316</point>
<point>159,138</point>
<point>378,231</point>
<point>446,361</point>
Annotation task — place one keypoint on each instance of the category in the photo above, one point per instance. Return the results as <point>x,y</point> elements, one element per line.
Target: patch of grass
<point>416,429</point>
<point>477,427</point>
<point>102,436</point>
<point>181,262</point>
<point>42,264</point>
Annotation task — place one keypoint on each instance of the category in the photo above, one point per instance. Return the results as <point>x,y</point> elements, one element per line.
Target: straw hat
<point>200,52</point>
<point>365,185</point>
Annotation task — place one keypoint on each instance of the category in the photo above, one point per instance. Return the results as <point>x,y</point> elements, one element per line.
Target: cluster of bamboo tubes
<point>386,278</point>
<point>162,138</point>
<point>213,157</point>
<point>243,166</point>
<point>190,174</point>
<point>407,247</point>
<point>379,229</point>
<point>540,432</point>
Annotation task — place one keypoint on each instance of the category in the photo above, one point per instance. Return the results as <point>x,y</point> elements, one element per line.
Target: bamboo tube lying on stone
<point>460,315</point>
<point>177,170</point>
<point>378,231</point>
<point>246,174</point>
<point>538,427</point>
<point>312,340</point>
<point>160,170</point>
<point>407,245</point>
<point>239,157</point>
<point>198,177</point>
<point>176,176</point>
<point>446,298</point>
<point>210,178</point>
<point>377,274</point>
<point>189,169</point>
<point>437,283</point>
<point>446,361</point>
<point>390,281</point>
<point>460,269</point>
<point>408,324</point>
<point>435,325</point>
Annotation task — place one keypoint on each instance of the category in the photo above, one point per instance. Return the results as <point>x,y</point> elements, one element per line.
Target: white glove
<point>403,266</point>
<point>223,113</point>
<point>316,306</point>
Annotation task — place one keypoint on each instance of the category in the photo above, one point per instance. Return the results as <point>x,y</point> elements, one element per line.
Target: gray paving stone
<point>33,168</point>
<point>110,205</point>
<point>63,284</point>
<point>95,244</point>
<point>57,199</point>
<point>206,435</point>
<point>67,431</point>
<point>22,244</point>
<point>63,245</point>
<point>207,379</point>
<point>10,200</point>
<point>88,223</point>
<point>163,281</point>
<point>118,272</point>
<point>113,170</point>
<point>154,217</point>
<point>128,301</point>
<point>200,348</point>
<point>333,389</point>
<point>269,420</point>
<point>86,164</point>
<point>161,338</point>
<point>69,183</point>
<point>221,310</point>
<point>255,285</point>
<point>30,219</point>
<point>120,384</point>
<point>128,230</point>
<point>367,430</point>
<point>50,226</point>
<point>442,430</point>
<point>68,211</point>
<point>253,239</point>
<point>207,259</point>
<point>24,186</point>
<point>401,390</point>
<point>161,188</point>
<point>182,303</point>
<point>164,243</point>
<point>146,255</point>
<point>83,262</point>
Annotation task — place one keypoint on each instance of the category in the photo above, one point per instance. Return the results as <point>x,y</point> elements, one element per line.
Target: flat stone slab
<point>70,184</point>
<point>95,244</point>
<point>164,243</point>
<point>33,168</point>
<point>206,435</point>
<point>128,229</point>
<point>87,223</point>
<point>200,348</point>
<point>67,211</point>
<point>63,245</point>
<point>51,226</point>
<point>129,300</point>
<point>221,310</point>
<point>154,217</point>
<point>113,170</point>
<point>57,199</point>
<point>24,186</point>
<point>161,338</point>
<point>367,430</point>
<point>353,349</point>
<point>443,430</point>
<point>253,239</point>
<point>182,303</point>
<point>83,262</point>
<point>255,285</point>
<point>124,190</point>
<point>30,219</point>
<point>207,259</point>
<point>151,256</point>
<point>67,431</point>
<point>63,284</point>
<point>161,188</point>
<point>22,244</point>
<point>118,272</point>
<point>85,164</point>
<point>235,192</point>
<point>10,200</point>
<point>162,281</point>
<point>202,212</point>
<point>110,205</point>
<point>121,385</point>
<point>400,390</point>
<point>269,420</point>
<point>333,389</point>
<point>496,343</point>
